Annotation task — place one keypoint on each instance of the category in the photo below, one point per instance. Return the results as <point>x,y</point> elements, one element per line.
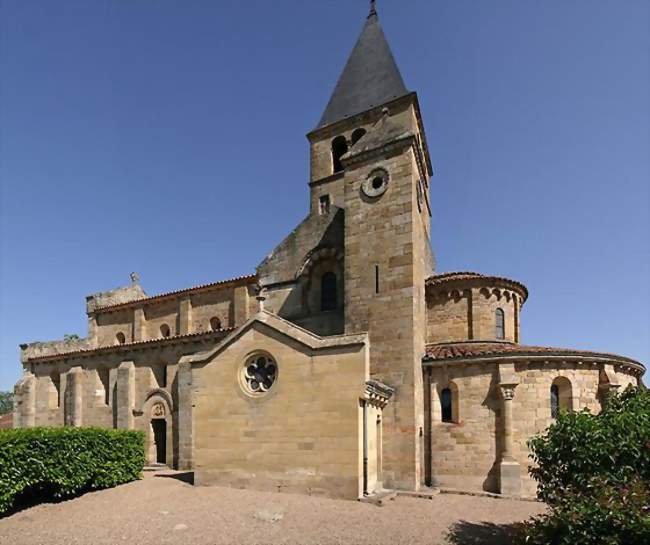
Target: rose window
<point>259,374</point>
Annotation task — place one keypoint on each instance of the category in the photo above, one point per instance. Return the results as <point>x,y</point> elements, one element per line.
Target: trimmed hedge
<point>55,463</point>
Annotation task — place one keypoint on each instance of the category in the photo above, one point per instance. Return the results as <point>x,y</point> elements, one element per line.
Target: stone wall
<point>465,453</point>
<point>385,266</point>
<point>303,435</point>
<point>461,312</point>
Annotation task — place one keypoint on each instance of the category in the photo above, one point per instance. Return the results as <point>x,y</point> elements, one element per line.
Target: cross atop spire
<point>373,9</point>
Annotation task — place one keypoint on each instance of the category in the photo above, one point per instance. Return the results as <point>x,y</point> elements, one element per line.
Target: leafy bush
<point>60,462</point>
<point>6,402</point>
<point>594,473</point>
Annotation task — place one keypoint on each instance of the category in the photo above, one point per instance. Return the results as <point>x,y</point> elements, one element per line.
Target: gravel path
<point>162,509</point>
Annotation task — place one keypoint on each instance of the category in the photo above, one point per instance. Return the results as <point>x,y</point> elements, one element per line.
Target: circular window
<point>259,374</point>
<point>376,184</point>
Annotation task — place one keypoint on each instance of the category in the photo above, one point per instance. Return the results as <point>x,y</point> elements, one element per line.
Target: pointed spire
<point>373,9</point>
<point>370,77</point>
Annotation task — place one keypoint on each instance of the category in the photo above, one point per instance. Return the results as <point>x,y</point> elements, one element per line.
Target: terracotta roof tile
<point>6,421</point>
<point>237,279</point>
<point>440,279</point>
<point>477,349</point>
<point>127,346</point>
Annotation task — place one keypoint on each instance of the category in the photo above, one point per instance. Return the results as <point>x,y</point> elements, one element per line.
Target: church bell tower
<point>369,156</point>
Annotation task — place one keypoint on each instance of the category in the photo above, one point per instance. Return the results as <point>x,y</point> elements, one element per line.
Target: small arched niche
<point>215,323</point>
<point>165,331</point>
<point>120,338</point>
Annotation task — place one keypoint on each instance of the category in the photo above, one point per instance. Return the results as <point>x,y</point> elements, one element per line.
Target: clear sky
<point>168,138</point>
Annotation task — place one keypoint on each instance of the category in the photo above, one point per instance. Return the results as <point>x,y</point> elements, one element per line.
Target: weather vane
<point>373,8</point>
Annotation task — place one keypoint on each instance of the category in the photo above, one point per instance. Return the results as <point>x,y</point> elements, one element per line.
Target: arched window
<point>339,149</point>
<point>328,291</point>
<point>449,401</point>
<point>500,324</point>
<point>358,135</point>
<point>120,338</point>
<point>446,405</point>
<point>165,331</point>
<point>555,401</point>
<point>215,323</point>
<point>561,396</point>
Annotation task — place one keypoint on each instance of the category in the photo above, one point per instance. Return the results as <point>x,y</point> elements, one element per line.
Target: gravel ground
<point>163,509</point>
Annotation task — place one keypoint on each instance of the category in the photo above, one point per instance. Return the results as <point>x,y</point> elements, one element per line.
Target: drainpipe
<point>365,448</point>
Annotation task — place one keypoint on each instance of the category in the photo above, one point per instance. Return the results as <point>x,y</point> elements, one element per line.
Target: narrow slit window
<point>376,278</point>
<point>446,401</point>
<point>324,205</point>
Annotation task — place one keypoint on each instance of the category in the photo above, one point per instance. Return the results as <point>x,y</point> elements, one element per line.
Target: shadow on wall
<point>492,402</point>
<point>482,533</point>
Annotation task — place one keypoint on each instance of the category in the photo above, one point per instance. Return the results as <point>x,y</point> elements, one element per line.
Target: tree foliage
<point>6,402</point>
<point>594,473</point>
<point>54,463</point>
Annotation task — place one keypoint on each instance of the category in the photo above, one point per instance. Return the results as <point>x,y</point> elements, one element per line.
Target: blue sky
<point>168,138</point>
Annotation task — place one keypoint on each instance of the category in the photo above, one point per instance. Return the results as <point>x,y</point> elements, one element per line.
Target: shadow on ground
<point>186,477</point>
<point>482,533</point>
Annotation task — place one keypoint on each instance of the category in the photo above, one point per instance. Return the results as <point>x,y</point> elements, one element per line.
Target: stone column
<point>25,401</point>
<point>185,416</point>
<point>138,324</point>
<point>185,316</point>
<point>73,400</point>
<point>125,394</point>
<point>509,470</point>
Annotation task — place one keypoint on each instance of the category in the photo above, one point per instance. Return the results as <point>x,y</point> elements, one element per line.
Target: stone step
<point>379,498</point>
<point>423,493</point>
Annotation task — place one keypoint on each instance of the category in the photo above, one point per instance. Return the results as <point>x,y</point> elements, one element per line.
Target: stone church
<point>344,365</point>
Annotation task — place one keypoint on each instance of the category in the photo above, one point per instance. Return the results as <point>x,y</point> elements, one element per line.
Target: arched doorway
<point>158,419</point>
<point>158,444</point>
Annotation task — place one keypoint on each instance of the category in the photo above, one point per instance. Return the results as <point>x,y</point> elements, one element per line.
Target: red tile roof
<point>441,279</point>
<point>248,279</point>
<point>482,350</point>
<point>127,346</point>
<point>6,421</point>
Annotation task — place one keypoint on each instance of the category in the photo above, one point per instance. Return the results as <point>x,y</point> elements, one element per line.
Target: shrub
<point>54,463</point>
<point>594,473</point>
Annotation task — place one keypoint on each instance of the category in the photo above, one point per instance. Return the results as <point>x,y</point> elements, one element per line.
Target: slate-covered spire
<point>370,77</point>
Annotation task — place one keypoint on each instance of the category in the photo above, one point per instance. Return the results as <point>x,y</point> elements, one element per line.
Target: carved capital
<point>507,391</point>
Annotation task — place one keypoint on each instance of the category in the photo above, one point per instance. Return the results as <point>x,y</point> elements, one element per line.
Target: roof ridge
<point>177,292</point>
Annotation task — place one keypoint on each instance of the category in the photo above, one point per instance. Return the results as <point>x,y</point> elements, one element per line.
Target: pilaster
<point>185,316</point>
<point>185,416</point>
<point>125,394</point>
<point>73,397</point>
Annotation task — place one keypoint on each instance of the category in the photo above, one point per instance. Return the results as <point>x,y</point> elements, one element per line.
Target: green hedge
<point>54,463</point>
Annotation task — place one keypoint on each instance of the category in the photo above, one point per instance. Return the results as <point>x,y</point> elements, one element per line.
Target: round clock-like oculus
<point>376,183</point>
